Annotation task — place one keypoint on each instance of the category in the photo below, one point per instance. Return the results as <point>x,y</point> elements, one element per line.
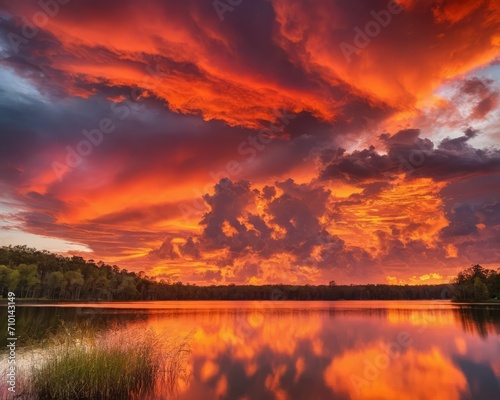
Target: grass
<point>116,364</point>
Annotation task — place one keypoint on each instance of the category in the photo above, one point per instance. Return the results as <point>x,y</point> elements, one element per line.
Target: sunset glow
<point>262,144</point>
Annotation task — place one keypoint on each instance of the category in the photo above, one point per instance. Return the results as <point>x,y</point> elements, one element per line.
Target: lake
<point>309,350</point>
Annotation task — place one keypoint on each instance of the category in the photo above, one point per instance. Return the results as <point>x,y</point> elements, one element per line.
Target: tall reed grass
<point>120,363</point>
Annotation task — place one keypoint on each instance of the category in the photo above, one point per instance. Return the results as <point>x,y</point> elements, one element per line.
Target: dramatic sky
<point>254,141</point>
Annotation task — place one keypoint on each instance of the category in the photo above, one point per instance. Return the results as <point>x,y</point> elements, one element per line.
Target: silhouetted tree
<point>476,284</point>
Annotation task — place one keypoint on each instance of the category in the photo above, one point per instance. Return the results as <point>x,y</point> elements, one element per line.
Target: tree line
<point>35,274</point>
<point>477,284</point>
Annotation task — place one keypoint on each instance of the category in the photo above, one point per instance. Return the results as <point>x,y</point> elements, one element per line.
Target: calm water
<point>313,350</point>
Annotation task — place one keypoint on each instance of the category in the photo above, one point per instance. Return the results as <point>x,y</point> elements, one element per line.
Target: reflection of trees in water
<point>482,320</point>
<point>369,312</point>
<point>34,324</point>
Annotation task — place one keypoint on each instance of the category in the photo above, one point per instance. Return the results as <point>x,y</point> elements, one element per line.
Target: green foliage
<point>40,274</point>
<point>55,283</point>
<point>481,292</point>
<point>476,284</point>
<point>9,278</point>
<point>127,288</point>
<point>74,281</point>
<point>28,279</point>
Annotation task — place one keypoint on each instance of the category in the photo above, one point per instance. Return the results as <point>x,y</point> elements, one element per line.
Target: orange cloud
<point>397,66</point>
<point>414,209</point>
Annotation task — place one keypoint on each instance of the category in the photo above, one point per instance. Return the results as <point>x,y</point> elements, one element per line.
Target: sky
<point>254,142</point>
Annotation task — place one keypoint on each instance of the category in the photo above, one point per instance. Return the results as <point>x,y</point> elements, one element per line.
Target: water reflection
<point>315,350</point>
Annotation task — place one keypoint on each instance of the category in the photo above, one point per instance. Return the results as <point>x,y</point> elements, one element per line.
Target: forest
<point>35,274</point>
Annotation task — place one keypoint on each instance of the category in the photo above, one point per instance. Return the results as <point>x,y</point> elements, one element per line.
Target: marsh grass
<point>119,363</point>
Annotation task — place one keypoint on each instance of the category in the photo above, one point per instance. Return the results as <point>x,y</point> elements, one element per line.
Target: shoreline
<point>28,302</point>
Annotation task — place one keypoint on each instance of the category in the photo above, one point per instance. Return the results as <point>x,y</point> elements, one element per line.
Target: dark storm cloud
<point>227,204</point>
<point>190,248</point>
<point>260,226</point>
<point>470,202</point>
<point>370,190</point>
<point>409,154</point>
<point>299,222</point>
<point>209,275</point>
<point>463,221</point>
<point>359,166</point>
<point>315,197</point>
<point>247,270</point>
<point>296,212</point>
<point>166,251</point>
<point>472,207</point>
<point>411,252</point>
<point>490,214</point>
<point>268,192</point>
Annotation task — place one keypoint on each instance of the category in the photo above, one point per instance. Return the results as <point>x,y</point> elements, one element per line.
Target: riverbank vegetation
<point>476,284</point>
<point>42,275</point>
<point>79,362</point>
